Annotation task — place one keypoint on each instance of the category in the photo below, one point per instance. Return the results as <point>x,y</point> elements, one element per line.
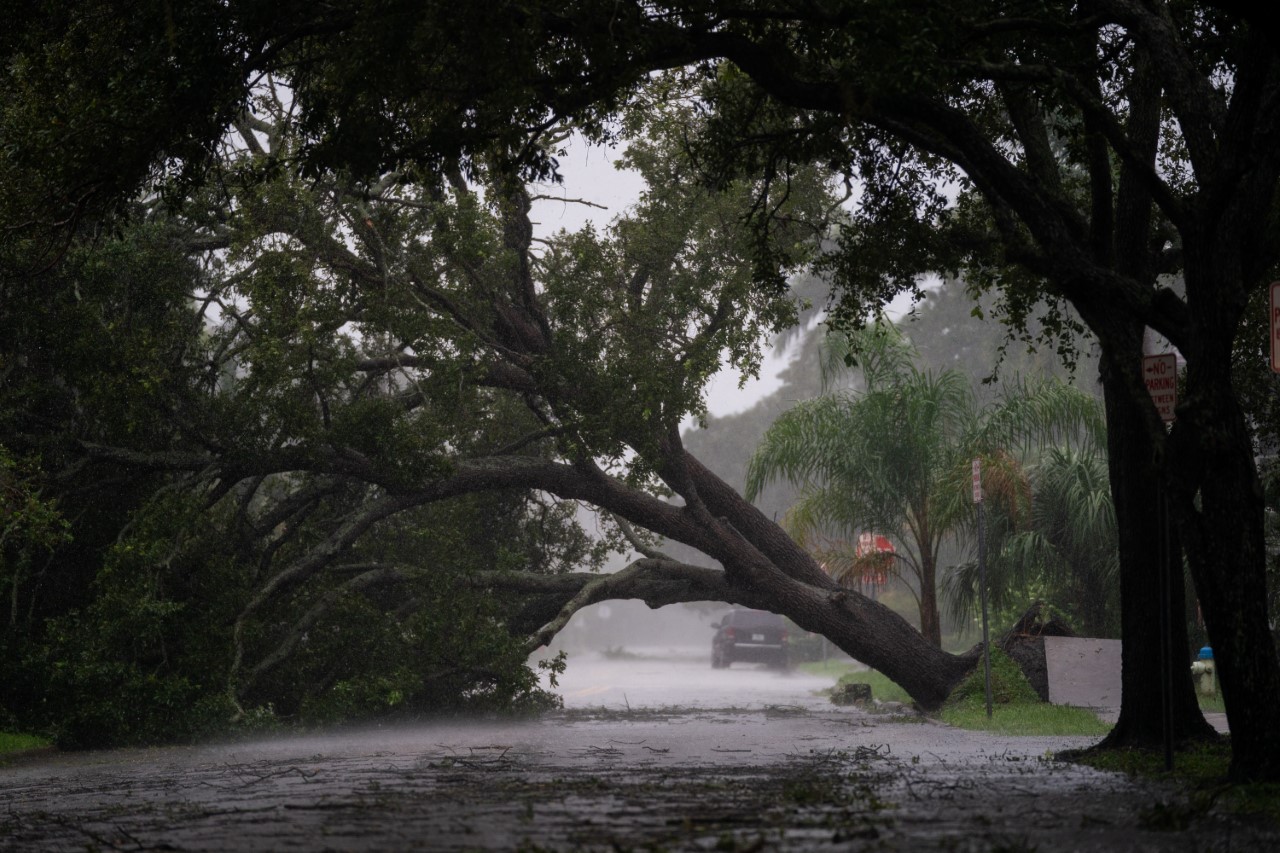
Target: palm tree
<point>1069,549</point>
<point>894,458</point>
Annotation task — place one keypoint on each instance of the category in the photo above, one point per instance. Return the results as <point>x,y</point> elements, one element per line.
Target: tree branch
<point>378,576</point>
<point>675,582</point>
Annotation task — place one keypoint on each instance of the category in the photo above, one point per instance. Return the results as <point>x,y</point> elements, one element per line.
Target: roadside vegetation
<point>1016,709</point>
<point>1201,770</point>
<point>13,742</point>
<point>894,458</point>
<point>848,672</point>
<point>1030,718</point>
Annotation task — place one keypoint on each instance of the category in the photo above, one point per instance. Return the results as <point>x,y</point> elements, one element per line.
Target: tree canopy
<point>1094,149</point>
<point>379,407</point>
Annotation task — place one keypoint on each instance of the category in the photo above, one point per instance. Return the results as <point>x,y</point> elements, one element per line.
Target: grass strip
<point>1017,710</point>
<point>13,742</point>
<point>847,672</point>
<point>1201,770</point>
<point>1016,707</point>
<point>1027,718</point>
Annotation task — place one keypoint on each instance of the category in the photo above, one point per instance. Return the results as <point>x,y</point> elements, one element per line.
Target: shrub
<point>1008,685</point>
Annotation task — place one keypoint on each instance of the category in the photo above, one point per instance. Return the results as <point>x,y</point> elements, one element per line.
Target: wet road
<point>760,764</point>
<point>659,678</point>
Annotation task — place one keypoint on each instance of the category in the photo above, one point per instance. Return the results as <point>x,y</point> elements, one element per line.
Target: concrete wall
<point>1083,671</point>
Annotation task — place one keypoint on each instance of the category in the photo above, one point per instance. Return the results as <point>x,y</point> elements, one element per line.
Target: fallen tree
<point>409,343</point>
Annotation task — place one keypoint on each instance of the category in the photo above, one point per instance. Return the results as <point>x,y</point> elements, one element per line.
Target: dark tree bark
<point>1134,460</point>
<point>930,624</point>
<point>865,629</point>
<point>1135,484</point>
<point>1219,503</point>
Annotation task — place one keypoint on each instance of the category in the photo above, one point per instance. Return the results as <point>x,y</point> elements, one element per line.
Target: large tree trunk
<point>873,634</point>
<point>1219,502</point>
<point>865,629</point>
<point>1147,553</point>
<point>1134,489</point>
<point>1228,565</point>
<point>765,566</point>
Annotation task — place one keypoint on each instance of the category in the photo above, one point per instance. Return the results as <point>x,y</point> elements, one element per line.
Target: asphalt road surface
<point>746,760</point>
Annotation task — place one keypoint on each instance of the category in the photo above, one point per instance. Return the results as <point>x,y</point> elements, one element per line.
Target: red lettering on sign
<point>1160,374</point>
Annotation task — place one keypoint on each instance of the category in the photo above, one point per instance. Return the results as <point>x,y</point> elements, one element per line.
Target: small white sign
<point>977,481</point>
<point>1160,373</point>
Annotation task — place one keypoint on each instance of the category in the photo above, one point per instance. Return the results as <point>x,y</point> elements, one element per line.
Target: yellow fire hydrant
<point>1203,672</point>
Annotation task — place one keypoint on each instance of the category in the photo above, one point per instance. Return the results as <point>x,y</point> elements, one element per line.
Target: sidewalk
<point>1217,719</point>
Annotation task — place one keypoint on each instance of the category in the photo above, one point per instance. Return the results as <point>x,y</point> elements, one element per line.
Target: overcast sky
<point>590,175</point>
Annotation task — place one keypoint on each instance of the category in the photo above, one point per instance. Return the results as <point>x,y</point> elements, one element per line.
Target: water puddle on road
<point>783,777</point>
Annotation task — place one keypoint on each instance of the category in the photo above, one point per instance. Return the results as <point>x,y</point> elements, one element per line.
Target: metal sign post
<point>982,578</point>
<point>1160,373</point>
<point>1273,321</point>
<point>1164,557</point>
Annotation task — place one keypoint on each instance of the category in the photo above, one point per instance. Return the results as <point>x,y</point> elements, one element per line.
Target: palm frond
<point>1045,412</point>
<point>878,349</point>
<point>896,458</point>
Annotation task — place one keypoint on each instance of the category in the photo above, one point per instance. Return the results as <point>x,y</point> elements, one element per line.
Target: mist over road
<point>683,677</point>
